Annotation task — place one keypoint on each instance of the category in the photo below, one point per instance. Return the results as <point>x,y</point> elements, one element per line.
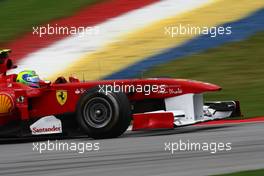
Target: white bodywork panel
<point>190,104</point>
<point>189,109</point>
<point>46,125</point>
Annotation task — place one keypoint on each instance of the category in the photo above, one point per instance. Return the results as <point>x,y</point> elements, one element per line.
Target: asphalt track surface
<point>142,153</point>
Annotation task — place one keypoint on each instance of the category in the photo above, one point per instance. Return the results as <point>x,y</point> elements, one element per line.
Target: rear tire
<point>103,115</point>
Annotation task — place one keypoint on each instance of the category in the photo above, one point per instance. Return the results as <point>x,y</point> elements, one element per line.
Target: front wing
<point>186,110</point>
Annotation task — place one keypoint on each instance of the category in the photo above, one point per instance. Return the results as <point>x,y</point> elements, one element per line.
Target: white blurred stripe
<point>61,54</point>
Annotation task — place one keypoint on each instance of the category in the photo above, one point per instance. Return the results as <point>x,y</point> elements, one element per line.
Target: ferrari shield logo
<point>61,96</point>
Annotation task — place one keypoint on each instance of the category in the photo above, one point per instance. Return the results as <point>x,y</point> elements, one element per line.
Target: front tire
<point>103,115</point>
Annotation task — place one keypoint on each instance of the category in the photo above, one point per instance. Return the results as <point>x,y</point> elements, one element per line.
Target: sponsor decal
<point>62,96</point>
<point>6,104</point>
<point>46,125</point>
<point>54,129</point>
<point>174,91</point>
<point>177,91</point>
<point>79,91</point>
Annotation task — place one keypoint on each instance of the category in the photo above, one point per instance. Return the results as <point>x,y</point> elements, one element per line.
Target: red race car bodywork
<point>179,101</point>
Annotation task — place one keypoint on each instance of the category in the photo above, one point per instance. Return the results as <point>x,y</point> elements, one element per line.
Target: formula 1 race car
<point>103,109</point>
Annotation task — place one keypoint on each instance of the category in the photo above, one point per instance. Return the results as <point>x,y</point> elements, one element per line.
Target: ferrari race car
<point>103,109</point>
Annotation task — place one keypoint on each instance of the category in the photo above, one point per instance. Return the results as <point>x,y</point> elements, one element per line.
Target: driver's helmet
<point>29,78</point>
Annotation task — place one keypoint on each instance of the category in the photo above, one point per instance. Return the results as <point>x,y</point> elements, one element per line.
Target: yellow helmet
<point>28,77</point>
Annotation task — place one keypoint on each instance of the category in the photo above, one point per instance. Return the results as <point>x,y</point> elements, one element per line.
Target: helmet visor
<point>33,79</point>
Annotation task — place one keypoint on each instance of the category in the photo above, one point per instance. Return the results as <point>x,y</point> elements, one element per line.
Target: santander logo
<point>46,125</point>
<point>36,130</point>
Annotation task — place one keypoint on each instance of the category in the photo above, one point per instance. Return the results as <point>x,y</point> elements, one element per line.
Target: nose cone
<point>192,86</point>
<point>210,87</point>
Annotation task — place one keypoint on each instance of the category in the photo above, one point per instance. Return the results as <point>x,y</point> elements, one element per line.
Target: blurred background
<point>128,39</point>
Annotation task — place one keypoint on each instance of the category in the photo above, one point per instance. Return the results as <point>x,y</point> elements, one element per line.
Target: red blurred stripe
<point>89,16</point>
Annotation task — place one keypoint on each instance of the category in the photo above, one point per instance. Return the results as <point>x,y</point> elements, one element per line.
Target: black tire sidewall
<point>120,119</point>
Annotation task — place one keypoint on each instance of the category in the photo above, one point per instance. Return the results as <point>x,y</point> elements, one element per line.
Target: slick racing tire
<point>103,115</point>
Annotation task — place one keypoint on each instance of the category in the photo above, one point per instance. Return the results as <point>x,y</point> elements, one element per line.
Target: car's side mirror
<point>44,83</point>
<point>73,79</point>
